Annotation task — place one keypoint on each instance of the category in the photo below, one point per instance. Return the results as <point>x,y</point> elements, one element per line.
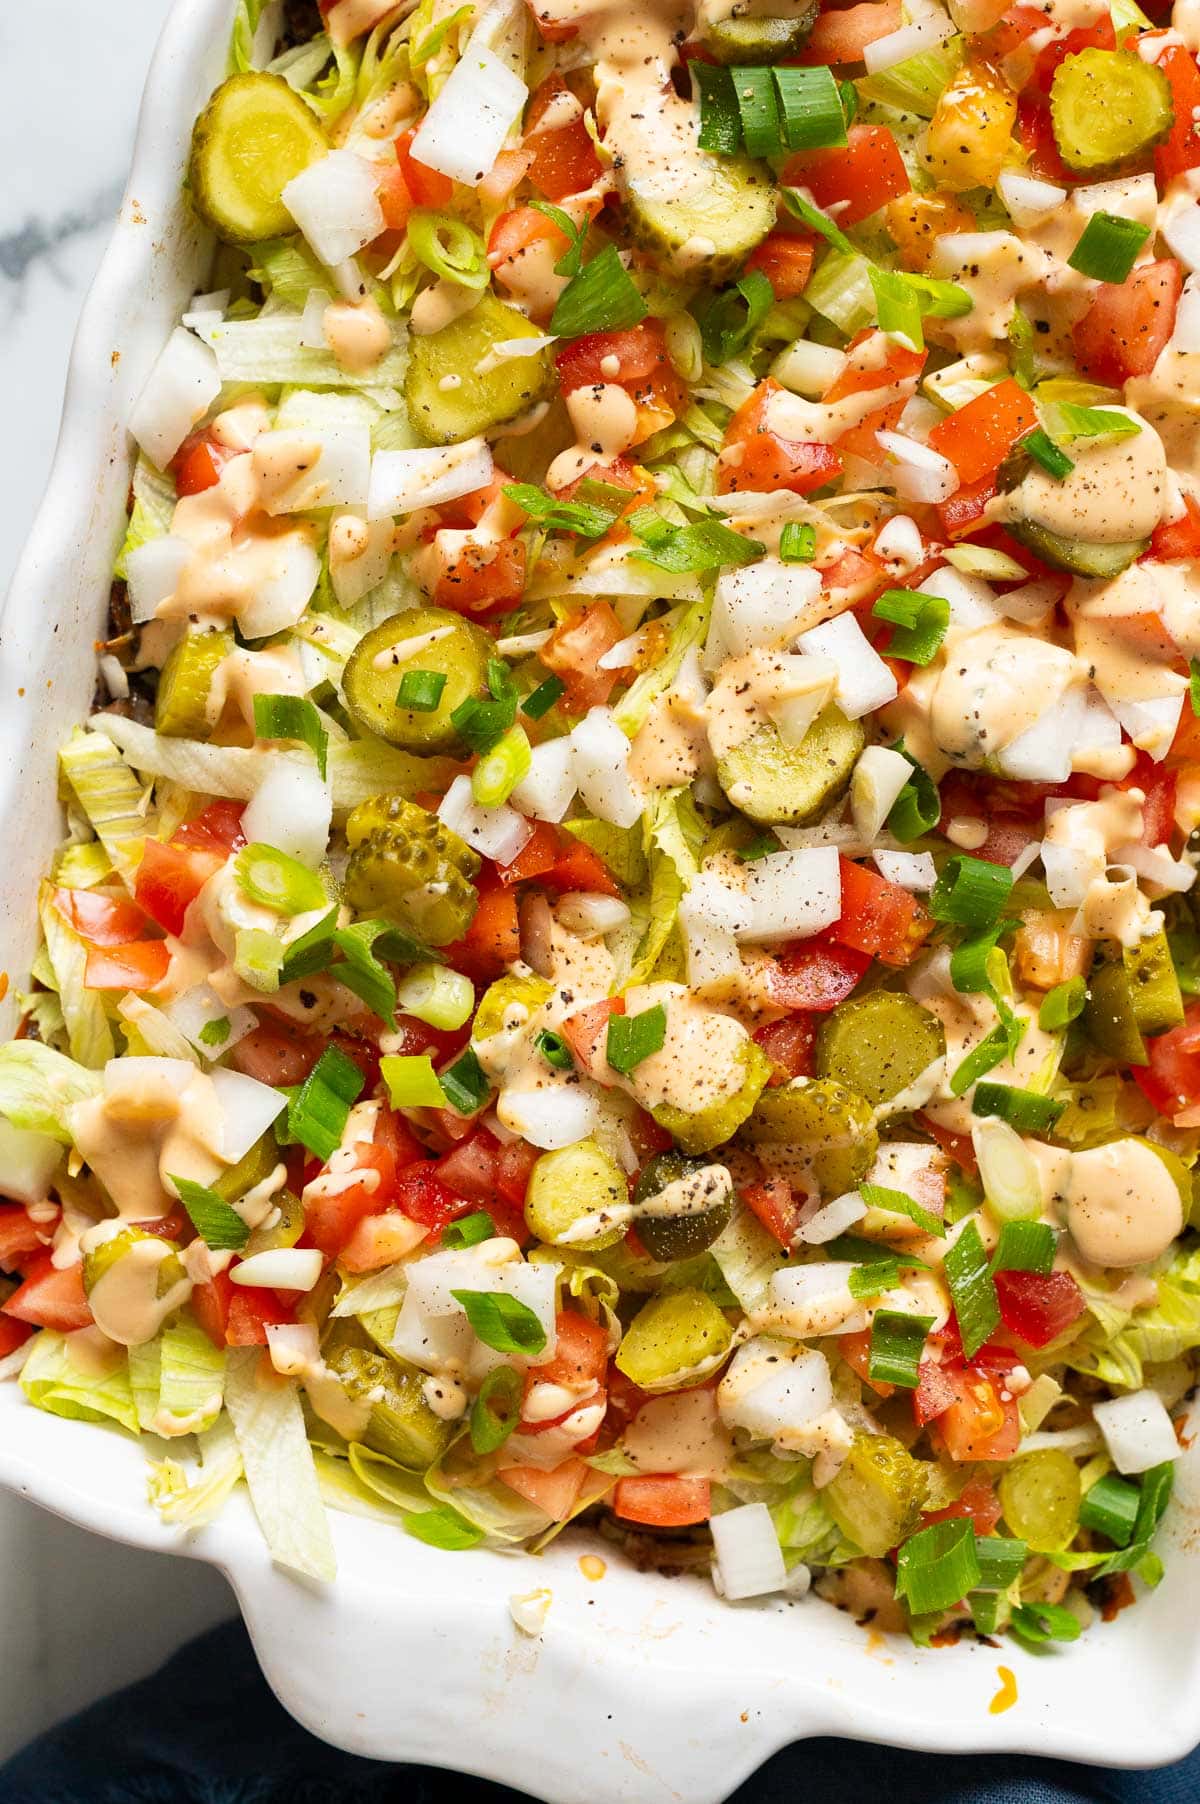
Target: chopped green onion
<point>798,542</point>
<point>1000,1561</point>
<point>897,308</point>
<point>970,963</point>
<point>813,118</point>
<point>258,958</point>
<point>761,846</point>
<point>440,997</point>
<point>1108,247</point>
<point>897,1342</point>
<point>554,1050</point>
<point>312,952</point>
<point>496,1410</point>
<point>1062,1005</point>
<point>292,717</point>
<point>1025,1246</point>
<point>217,1223</point>
<point>1072,421</point>
<point>971,1286</point>
<point>918,807</point>
<point>858,1251</point>
<point>500,680</point>
<point>421,690</point>
<point>990,1611</point>
<point>540,701</point>
<point>468,1231</point>
<point>882,1196</point>
<point>720,117</point>
<point>816,221</point>
<point>963,1196</point>
<point>318,1112</point>
<point>500,770</point>
<point>991,1051</point>
<point>1157,1485</point>
<point>704,546</point>
<point>1021,342</point>
<point>601,298</point>
<point>758,105</point>
<point>920,621</point>
<point>732,317</point>
<point>1042,448</point>
<point>589,521</point>
<point>447,245</point>
<point>939,299</point>
<point>1025,1110</point>
<point>362,972</point>
<point>876,1276</point>
<point>632,1038</point>
<point>412,1082</point>
<point>483,724</point>
<point>465,1084</point>
<point>849,98</point>
<point>502,1322</point>
<point>215,1033</point>
<point>937,1566</point>
<point>277,881</point>
<point>1040,1622</point>
<point>648,525</point>
<point>1110,1507</point>
<point>571,261</point>
<point>971,892</point>
<point>443,1528</point>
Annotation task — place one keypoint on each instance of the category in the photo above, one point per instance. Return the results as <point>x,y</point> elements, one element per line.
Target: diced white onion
<point>1030,604</point>
<point>792,895</point>
<point>910,40</point>
<point>335,203</point>
<point>916,471</point>
<point>28,1161</point>
<point>1155,865</point>
<point>864,681</point>
<point>1181,229</point>
<point>153,571</point>
<point>339,478</point>
<point>434,1341</point>
<point>560,1115</point>
<point>432,1280</point>
<point>1186,335</point>
<point>581,911</point>
<point>497,833</point>
<point>1028,199</point>
<point>1043,752</point>
<point>464,130</point>
<point>282,1268</point>
<point>600,757</point>
<point>899,542</point>
<point>914,871</point>
<point>247,1109</point>
<point>833,1219</point>
<point>292,1346</point>
<point>548,786</point>
<point>292,810</point>
<point>312,321</point>
<point>1151,723</point>
<point>126,1080</point>
<point>712,952</point>
<point>808,369</point>
<point>208,307</point>
<point>1137,1431</point>
<point>198,1008</point>
<point>354,577</point>
<point>402,481</point>
<point>749,1558</point>
<point>281,596</point>
<point>178,393</point>
<point>116,677</point>
<point>816,1299</point>
<point>812,683</point>
<point>879,776</point>
<point>972,602</point>
<point>1068,873</point>
<point>761,604</point>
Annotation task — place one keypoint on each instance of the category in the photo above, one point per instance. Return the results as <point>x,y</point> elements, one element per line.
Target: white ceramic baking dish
<point>640,1688</point>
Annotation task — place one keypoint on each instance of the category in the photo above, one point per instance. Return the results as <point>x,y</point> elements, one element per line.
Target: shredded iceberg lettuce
<point>89,1035</point>
<point>53,1380</point>
<point>109,794</point>
<point>269,1424</point>
<point>268,350</point>
<point>688,629</point>
<point>1116,1346</point>
<point>675,834</point>
<point>190,1503</point>
<point>38,1087</point>
<point>748,1257</point>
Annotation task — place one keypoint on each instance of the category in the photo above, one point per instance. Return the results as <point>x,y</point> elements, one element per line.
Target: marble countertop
<point>82,1615</point>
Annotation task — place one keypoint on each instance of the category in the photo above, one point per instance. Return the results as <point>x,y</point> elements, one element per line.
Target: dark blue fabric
<point>206,1730</point>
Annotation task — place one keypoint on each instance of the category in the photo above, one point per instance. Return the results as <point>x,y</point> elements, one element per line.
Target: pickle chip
<point>1107,106</point>
<point>254,137</point>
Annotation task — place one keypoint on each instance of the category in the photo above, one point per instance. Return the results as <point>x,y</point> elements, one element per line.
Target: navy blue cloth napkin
<point>207,1730</point>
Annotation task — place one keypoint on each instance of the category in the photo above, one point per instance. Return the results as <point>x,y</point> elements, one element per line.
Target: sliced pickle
<point>254,136</point>
<point>379,662</point>
<point>181,707</point>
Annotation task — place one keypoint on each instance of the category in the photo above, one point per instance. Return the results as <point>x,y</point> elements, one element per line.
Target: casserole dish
<point>638,1684</point>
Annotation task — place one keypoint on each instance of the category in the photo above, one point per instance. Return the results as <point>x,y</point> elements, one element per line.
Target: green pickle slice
<point>371,680</point>
<point>478,399</point>
<point>878,1044</point>
<point>824,1121</point>
<point>677,1332</point>
<point>1077,556</point>
<point>1107,106</point>
<point>761,40</point>
<point>407,868</point>
<point>670,1237</point>
<point>780,784</point>
<point>255,135</point>
<point>877,1496</point>
<point>184,686</point>
<point>401,1423</point>
<point>575,1182</point>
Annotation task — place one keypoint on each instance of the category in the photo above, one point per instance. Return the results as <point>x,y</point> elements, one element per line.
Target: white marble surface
<point>81,1614</point>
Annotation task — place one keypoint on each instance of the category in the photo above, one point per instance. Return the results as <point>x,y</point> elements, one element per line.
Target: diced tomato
<point>395,196</point>
<point>864,370</point>
<point>13,1334</point>
<point>853,182</point>
<point>956,1146</point>
<point>378,1240</point>
<point>1038,1308</point>
<point>393,1132</point>
<point>977,1502</point>
<point>1172,1078</point>
<point>580,1353</point>
<point>100,919</point>
<point>879,917</point>
<point>981,1423</point>
<point>1178,539</point>
<point>564,157</point>
<point>816,974</point>
<point>513,235</point>
<point>536,858</point>
<point>171,876</point>
<point>329,1221</point>
<point>514,1163</point>
<point>20,1238</point>
<point>663,1500</point>
<point>855,1349</point>
<point>786,259</point>
<point>277,1054</point>
<point>1017,24</point>
<point>198,463</point>
<point>586,1031</point>
<point>1007,839</point>
<point>934,1393</point>
<point>250,1314</point>
<point>980,435</point>
<point>578,868</point>
<point>618,473</point>
<point>643,368</point>
<point>772,1201</point>
<point>1180,149</point>
<point>493,940</point>
<point>475,575</point>
<point>141,966</point>
<point>1128,323</point>
<point>790,1045</point>
<point>553,1492</point>
<point>964,510</point>
<point>573,651</point>
<point>859,574</point>
<point>470,1169</point>
<point>842,33</point>
<point>428,187</point>
<point>424,1198</point>
<point>1158,786</point>
<point>50,1297</point>
<point>758,459</point>
<point>217,828</point>
<point>210,1306</point>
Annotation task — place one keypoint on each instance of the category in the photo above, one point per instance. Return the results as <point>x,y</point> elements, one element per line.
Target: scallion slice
<point>412,1082</point>
<point>217,1223</point>
<point>971,1286</point>
<point>704,546</point>
<point>798,542</point>
<point>1063,1004</point>
<point>816,221</point>
<point>1025,1246</point>
<point>1026,1110</point>
<point>468,1231</point>
<point>920,622</point>
<point>483,724</point>
<point>991,1051</point>
<point>897,308</point>
<point>1040,1622</point>
<point>937,1566</point>
<point>1110,1507</point>
<point>584,518</point>
<point>882,1196</point>
<point>540,701</point>
<point>445,244</point>
<point>502,768</point>
<point>554,1050</point>
<point>421,690</point>
<point>970,892</point>
<point>897,1342</point>
<point>813,117</point>
<point>278,882</point>
<point>496,1410</point>
<point>318,1112</point>
<point>465,1083</point>
<point>292,717</point>
<point>601,298</point>
<point>720,119</point>
<point>758,105</point>
<point>732,317</point>
<point>1043,450</point>
<point>1000,1561</point>
<point>918,807</point>
<point>1108,247</point>
<point>443,1528</point>
<point>632,1038</point>
<point>502,1322</point>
